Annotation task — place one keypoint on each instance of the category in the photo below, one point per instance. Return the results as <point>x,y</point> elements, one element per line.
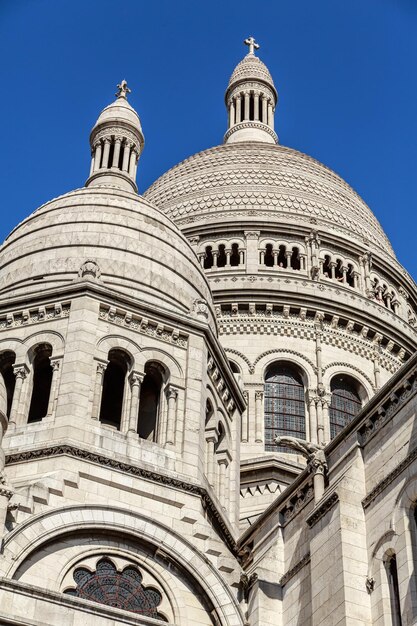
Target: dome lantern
<point>116,143</point>
<point>251,99</point>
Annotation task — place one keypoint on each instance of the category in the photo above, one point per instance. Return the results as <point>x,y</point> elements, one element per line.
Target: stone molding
<point>322,509</point>
<point>297,502</point>
<point>25,317</point>
<point>388,407</point>
<point>221,385</point>
<point>294,570</point>
<point>251,124</point>
<point>133,470</point>
<point>143,325</point>
<point>381,486</point>
<point>279,324</point>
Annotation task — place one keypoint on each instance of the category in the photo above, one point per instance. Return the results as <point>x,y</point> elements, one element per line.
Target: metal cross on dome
<point>123,89</point>
<point>250,41</point>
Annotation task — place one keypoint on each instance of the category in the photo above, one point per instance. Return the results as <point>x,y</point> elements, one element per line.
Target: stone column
<point>238,118</point>
<point>241,257</point>
<point>356,284</point>
<point>332,265</point>
<point>201,259</point>
<point>259,416</point>
<point>215,255</point>
<point>106,153</point>
<point>244,431</point>
<point>55,364</point>
<point>126,156</point>
<point>132,162</point>
<point>16,418</point>
<point>325,402</point>
<point>256,106</point>
<point>211,439</point>
<point>252,252</point>
<point>97,157</point>
<point>246,113</point>
<point>262,257</point>
<point>275,255</point>
<point>312,400</point>
<point>344,272</point>
<point>270,116</point>
<point>318,467</point>
<point>264,110</point>
<point>135,380</point>
<point>116,153</point>
<point>222,470</point>
<point>320,423</point>
<point>228,255</point>
<point>172,395</point>
<point>98,389</point>
<point>6,491</point>
<point>377,371</point>
<point>288,255</point>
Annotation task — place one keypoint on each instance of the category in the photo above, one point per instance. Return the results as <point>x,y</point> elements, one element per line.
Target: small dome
<point>251,68</point>
<point>115,236</point>
<point>119,111</point>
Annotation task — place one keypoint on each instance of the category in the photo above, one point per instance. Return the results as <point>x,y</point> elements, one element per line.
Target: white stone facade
<point>142,340</point>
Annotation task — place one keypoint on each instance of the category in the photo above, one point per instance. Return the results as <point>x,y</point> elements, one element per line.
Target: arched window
<point>338,271</point>
<point>221,259</point>
<point>234,367</point>
<point>208,258</point>
<point>149,402</point>
<point>234,257</point>
<point>269,257</point>
<point>350,278</point>
<point>345,403</point>
<point>326,267</point>
<point>7,360</point>
<point>42,379</point>
<point>282,257</point>
<point>394,590</point>
<point>209,411</point>
<point>295,259</point>
<point>114,388</point>
<point>284,404</point>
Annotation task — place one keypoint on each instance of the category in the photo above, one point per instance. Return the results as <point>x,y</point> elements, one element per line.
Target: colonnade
<point>240,109</point>
<point>101,156</point>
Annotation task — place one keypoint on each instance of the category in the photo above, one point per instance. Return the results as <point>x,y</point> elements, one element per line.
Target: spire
<point>116,144</point>
<point>251,99</point>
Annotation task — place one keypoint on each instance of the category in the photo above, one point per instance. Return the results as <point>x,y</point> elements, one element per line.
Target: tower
<point>121,449</point>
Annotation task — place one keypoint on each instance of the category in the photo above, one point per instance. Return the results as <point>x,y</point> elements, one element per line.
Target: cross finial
<point>123,90</point>
<point>250,41</point>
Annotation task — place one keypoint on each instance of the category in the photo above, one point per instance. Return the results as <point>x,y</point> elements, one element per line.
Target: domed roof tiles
<point>268,182</point>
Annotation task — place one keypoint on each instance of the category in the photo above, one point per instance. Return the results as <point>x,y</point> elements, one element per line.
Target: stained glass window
<point>123,590</point>
<point>345,404</point>
<point>284,405</point>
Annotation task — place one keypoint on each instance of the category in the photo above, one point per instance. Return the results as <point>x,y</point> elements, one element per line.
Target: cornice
<point>133,470</point>
<point>322,509</point>
<point>143,325</point>
<point>305,560</point>
<point>383,484</point>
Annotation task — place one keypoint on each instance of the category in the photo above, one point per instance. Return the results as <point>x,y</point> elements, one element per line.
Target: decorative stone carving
<point>200,309</point>
<point>89,270</point>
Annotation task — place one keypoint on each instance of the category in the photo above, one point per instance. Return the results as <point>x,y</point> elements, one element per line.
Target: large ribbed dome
<point>256,180</point>
<point>137,249</point>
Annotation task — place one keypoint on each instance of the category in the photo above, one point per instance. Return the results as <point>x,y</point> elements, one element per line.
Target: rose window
<point>123,590</point>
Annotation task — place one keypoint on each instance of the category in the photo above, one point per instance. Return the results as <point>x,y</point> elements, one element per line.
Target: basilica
<point>207,392</point>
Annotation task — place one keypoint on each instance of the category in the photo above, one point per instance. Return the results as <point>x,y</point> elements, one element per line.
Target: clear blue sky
<point>345,70</point>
